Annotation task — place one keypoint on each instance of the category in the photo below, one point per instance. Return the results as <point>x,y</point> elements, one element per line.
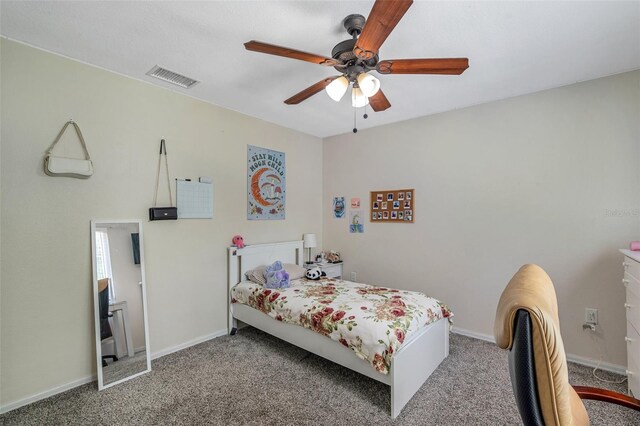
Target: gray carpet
<point>256,379</point>
<point>124,367</point>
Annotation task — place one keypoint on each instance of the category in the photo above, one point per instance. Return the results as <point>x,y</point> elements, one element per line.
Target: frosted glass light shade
<point>358,99</point>
<point>309,240</point>
<point>337,88</point>
<point>368,84</point>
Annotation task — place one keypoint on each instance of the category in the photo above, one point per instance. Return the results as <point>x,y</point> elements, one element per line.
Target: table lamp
<point>308,242</point>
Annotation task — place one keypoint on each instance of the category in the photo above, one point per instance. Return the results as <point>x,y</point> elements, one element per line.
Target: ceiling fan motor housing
<point>343,53</point>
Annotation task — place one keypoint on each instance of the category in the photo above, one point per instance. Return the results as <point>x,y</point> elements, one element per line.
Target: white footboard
<point>415,362</point>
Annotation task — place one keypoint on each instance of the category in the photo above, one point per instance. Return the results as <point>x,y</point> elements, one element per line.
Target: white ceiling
<point>513,48</point>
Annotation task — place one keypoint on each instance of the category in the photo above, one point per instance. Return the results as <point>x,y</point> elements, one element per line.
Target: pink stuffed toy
<point>238,241</point>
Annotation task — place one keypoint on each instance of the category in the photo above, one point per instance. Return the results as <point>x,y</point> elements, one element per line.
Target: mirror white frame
<point>101,385</point>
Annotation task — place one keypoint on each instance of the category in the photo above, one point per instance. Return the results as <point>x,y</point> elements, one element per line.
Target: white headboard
<point>242,260</point>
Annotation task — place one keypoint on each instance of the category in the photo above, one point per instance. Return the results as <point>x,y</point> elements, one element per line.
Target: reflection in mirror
<point>122,342</point>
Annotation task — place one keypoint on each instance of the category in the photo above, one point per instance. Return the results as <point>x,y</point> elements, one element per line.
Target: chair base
<point>105,357</point>
<point>587,392</point>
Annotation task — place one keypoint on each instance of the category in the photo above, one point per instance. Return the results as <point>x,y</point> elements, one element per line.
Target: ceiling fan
<point>356,57</point>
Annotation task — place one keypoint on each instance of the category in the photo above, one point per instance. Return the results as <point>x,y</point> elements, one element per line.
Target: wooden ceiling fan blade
<point>451,66</point>
<point>272,49</point>
<point>384,16</point>
<point>309,91</point>
<point>379,102</point>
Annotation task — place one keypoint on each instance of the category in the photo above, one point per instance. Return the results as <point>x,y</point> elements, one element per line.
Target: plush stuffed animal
<point>276,275</point>
<point>238,241</point>
<point>315,274</point>
<point>333,256</point>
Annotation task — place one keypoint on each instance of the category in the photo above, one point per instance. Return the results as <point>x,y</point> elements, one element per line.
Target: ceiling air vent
<point>172,77</point>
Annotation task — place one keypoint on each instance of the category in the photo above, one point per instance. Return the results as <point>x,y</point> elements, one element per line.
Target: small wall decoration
<point>266,184</point>
<point>338,207</point>
<point>355,203</point>
<point>392,206</point>
<point>356,222</point>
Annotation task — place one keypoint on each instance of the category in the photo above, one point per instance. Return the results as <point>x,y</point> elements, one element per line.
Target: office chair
<point>103,308</point>
<point>527,325</point>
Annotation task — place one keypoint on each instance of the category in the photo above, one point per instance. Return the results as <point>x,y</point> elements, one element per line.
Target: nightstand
<point>333,270</point>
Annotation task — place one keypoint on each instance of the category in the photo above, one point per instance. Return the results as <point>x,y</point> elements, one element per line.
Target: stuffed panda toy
<point>315,274</point>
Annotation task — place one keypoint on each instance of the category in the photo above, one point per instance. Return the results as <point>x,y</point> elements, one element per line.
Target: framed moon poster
<point>266,184</point>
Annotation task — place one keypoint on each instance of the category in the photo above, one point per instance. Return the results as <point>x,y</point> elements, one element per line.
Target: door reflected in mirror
<point>122,335</point>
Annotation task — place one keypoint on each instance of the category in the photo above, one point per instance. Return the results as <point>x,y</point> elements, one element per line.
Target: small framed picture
<point>376,205</point>
<point>394,215</point>
<point>379,215</point>
<point>385,215</point>
<point>407,204</point>
<point>400,215</point>
<point>401,196</point>
<point>396,205</point>
<point>408,195</point>
<point>384,205</point>
<point>389,196</point>
<point>407,212</point>
<point>374,216</point>
<point>408,218</point>
<point>379,197</point>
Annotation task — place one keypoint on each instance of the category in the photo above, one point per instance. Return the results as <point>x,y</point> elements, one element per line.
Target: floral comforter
<point>372,321</point>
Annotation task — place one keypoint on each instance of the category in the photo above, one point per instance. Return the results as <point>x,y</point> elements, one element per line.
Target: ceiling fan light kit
<point>368,84</point>
<point>337,88</point>
<point>356,57</point>
<point>358,99</point>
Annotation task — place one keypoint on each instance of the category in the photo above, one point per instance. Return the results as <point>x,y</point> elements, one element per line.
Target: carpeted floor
<point>255,379</point>
<point>124,367</point>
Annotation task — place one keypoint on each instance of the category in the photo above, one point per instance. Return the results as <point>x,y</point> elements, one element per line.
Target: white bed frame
<point>410,366</point>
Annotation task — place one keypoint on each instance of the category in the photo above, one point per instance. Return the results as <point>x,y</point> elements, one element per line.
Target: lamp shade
<point>368,84</point>
<point>337,88</point>
<point>358,99</point>
<point>309,240</point>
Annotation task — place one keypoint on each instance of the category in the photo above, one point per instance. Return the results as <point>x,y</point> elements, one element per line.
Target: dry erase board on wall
<point>392,206</point>
<point>194,199</point>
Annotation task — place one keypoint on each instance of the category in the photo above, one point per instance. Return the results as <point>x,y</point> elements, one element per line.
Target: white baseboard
<point>88,379</point>
<point>190,343</point>
<point>468,333</point>
<point>46,394</point>
<point>605,366</point>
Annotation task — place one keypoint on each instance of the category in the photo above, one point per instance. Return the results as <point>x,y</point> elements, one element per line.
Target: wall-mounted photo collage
<point>392,206</point>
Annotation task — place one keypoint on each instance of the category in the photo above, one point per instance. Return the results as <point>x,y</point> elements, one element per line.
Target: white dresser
<point>631,281</point>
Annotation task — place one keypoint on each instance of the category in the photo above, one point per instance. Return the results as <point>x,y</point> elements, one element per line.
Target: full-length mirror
<point>120,305</point>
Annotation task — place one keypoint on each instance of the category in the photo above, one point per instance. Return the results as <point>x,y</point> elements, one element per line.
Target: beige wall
<point>550,178</point>
<point>46,325</point>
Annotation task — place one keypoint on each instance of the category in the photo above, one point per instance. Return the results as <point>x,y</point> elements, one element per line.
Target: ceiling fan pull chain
<point>365,116</point>
<point>355,129</point>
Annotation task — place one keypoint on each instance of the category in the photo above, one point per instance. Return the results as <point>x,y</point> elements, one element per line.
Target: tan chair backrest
<point>531,289</point>
<point>103,284</point>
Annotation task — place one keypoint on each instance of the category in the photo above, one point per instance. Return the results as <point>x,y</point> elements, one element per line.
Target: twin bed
<point>393,336</point>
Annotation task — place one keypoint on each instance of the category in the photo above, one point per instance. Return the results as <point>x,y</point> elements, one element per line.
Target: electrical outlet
<point>591,316</point>
<point>352,276</point>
